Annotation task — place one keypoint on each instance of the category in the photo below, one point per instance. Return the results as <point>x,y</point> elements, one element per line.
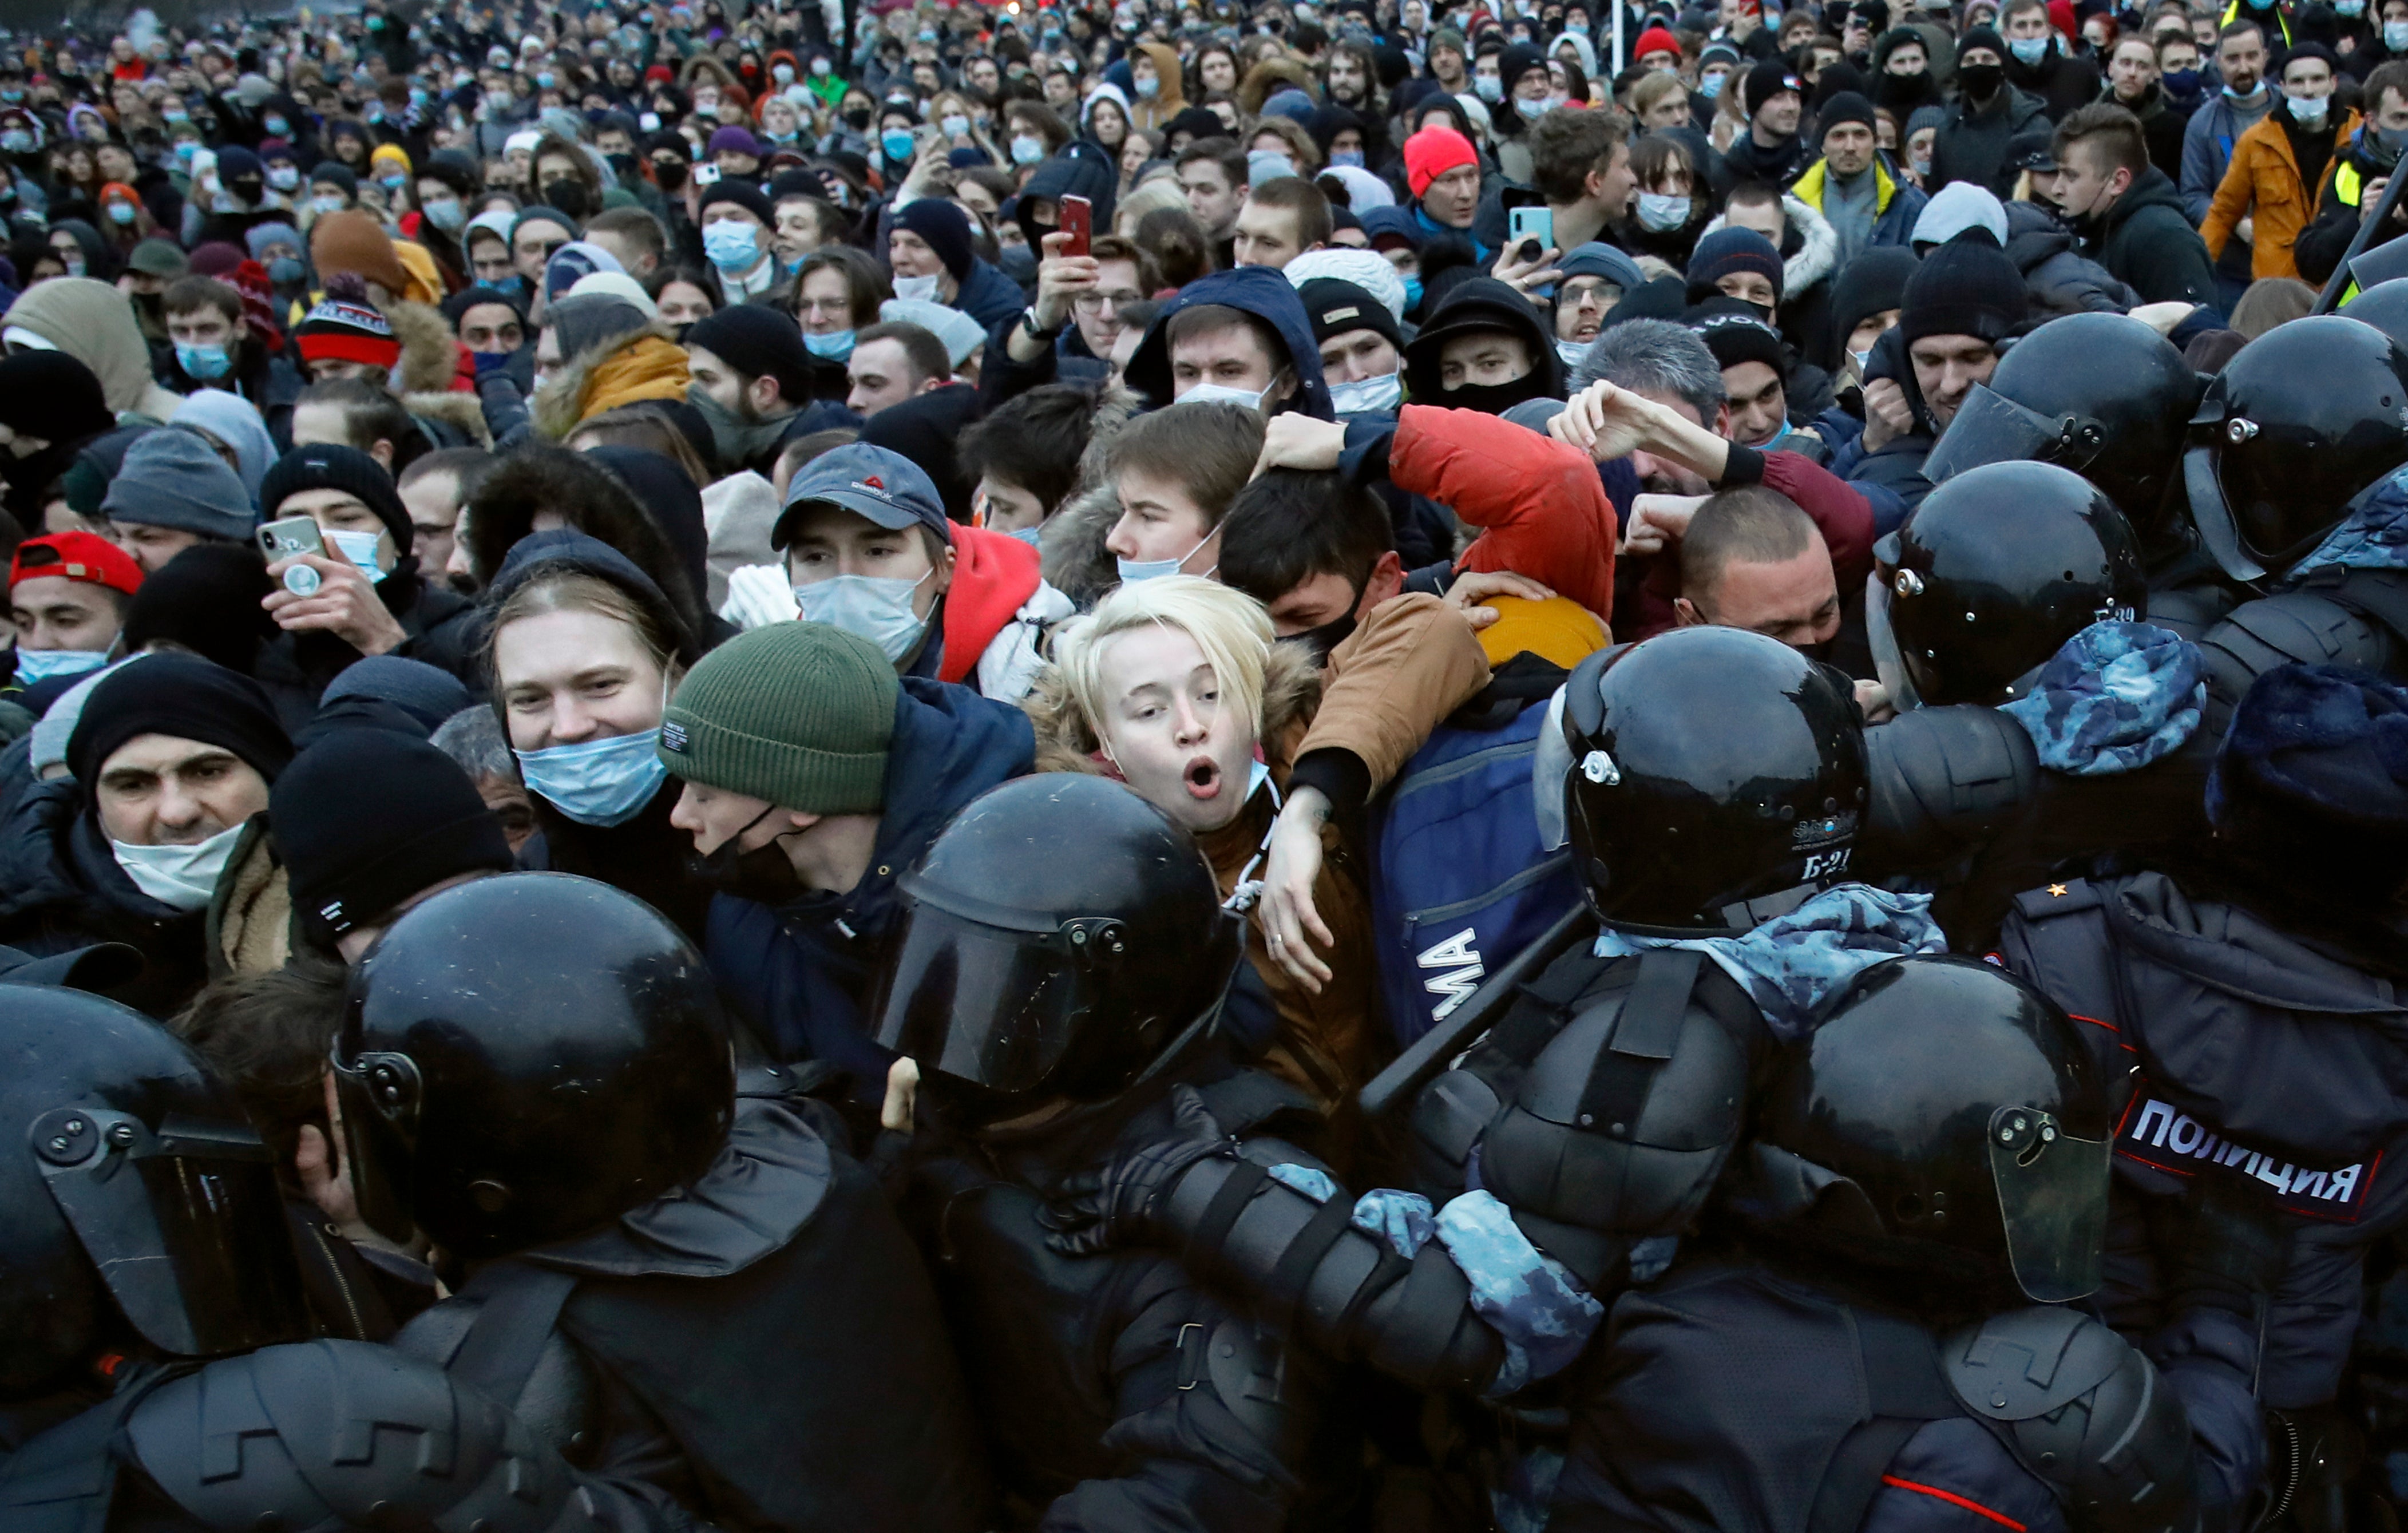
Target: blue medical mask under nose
<point>597,782</point>
<point>1154,569</point>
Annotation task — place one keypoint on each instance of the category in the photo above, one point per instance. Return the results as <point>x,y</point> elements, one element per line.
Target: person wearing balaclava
<point>1483,348</point>
<point>154,830</point>
<point>51,405</point>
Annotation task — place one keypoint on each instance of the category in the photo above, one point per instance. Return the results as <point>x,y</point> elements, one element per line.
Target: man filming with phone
<point>347,585</point>
<point>1083,284</point>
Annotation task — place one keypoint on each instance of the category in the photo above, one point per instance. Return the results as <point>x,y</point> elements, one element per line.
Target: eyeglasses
<point>1092,303</point>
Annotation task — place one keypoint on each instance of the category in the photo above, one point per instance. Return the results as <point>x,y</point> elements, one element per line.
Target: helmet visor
<point>992,1008</point>
<point>1889,661</point>
<point>1988,427</point>
<point>186,1226</point>
<point>2053,1198</point>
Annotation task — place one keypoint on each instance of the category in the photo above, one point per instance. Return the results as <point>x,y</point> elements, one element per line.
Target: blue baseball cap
<point>884,486</point>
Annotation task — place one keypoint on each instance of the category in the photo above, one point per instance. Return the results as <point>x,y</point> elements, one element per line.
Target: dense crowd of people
<point>1375,764</point>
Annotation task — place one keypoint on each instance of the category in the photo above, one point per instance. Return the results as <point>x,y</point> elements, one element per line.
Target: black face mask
<point>858,116</point>
<point>1494,398</point>
<point>762,875</point>
<point>569,196</point>
<point>1981,81</point>
<point>1330,635</point>
<point>669,175</point>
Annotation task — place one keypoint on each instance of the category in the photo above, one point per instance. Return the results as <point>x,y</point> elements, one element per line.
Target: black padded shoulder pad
<point>2304,626</point>
<point>1940,779</point>
<point>2085,1413</point>
<point>349,1434</point>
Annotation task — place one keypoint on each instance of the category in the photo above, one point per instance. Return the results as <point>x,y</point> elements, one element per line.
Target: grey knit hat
<point>799,714</point>
<point>173,479</point>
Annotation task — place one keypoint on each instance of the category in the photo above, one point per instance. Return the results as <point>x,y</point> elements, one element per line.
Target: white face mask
<point>1570,352</point>
<point>1367,395</point>
<point>1659,211</point>
<point>1220,394</point>
<point>2308,111</point>
<point>875,608</point>
<point>182,877</point>
<point>919,289</point>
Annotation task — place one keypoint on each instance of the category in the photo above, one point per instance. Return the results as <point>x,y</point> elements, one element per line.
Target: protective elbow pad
<point>2085,1413</point>
<point>2300,627</point>
<point>1942,779</point>
<point>349,1434</point>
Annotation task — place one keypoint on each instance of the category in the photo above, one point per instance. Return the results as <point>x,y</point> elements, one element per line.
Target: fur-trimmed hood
<point>559,402</point>
<point>459,412</point>
<point>430,354</point>
<point>592,499</point>
<point>1076,562</point>
<point>1818,246</point>
<point>1290,696</point>
<point>1268,79</point>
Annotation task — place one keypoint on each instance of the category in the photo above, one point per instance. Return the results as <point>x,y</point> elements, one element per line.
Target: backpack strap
<point>518,1305</point>
<point>1905,1389</point>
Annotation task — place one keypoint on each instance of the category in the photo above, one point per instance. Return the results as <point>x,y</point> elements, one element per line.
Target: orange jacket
<point>2263,184</point>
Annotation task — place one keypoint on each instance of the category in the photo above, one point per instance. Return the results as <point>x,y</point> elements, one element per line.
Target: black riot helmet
<point>524,1058</point>
<point>1717,779</point>
<point>1961,1104</point>
<point>2300,421</point>
<point>130,1182</point>
<point>2384,306</point>
<point>1063,937</point>
<point>2102,395</point>
<point>1991,575</point>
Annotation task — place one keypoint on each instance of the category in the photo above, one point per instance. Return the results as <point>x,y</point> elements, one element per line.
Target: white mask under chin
<point>919,289</point>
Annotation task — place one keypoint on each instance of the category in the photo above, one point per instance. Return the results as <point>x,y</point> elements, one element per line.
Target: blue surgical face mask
<point>1220,394</point>
<point>1712,86</point>
<point>447,214</point>
<point>2028,50</point>
<point>513,284</point>
<point>327,204</point>
<point>731,245</point>
<point>1659,211</point>
<point>896,143</point>
<point>1154,569</point>
<point>2395,37</point>
<point>275,126</point>
<point>203,363</point>
<point>835,346</point>
<point>285,270</point>
<point>41,665</point>
<point>1413,293</point>
<point>360,548</point>
<point>597,782</point>
<point>1026,149</point>
<point>1346,157</point>
<point>869,606</point>
<point>2350,8</point>
<point>1367,395</point>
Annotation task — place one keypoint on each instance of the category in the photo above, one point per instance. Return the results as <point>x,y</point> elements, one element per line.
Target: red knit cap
<point>78,556</point>
<point>1654,40</point>
<point>1432,153</point>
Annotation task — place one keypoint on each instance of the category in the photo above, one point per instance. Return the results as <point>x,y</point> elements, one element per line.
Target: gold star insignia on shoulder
<point>2057,891</point>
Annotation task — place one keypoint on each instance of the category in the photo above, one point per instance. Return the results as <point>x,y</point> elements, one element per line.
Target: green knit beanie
<point>796,714</point>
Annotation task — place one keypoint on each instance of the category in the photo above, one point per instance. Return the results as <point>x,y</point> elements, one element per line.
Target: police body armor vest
<point>2328,617</point>
<point>1036,1330</point>
<point>1752,1400</point>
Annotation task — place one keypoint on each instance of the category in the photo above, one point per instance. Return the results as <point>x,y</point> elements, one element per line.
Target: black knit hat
<point>1765,81</point>
<point>1733,249</point>
<point>1734,334</point>
<point>1337,306</point>
<point>181,695</point>
<point>1967,287</point>
<point>946,230</point>
<point>1981,37</point>
<point>2311,784</point>
<point>744,194</point>
<point>1873,281</point>
<point>205,600</point>
<point>1846,106</point>
<point>366,818</point>
<point>754,339</point>
<point>331,465</point>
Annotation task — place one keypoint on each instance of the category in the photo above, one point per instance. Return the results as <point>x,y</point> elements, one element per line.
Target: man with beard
<point>752,380</point>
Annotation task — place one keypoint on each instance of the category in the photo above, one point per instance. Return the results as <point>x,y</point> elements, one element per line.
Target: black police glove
<point>1096,1210</point>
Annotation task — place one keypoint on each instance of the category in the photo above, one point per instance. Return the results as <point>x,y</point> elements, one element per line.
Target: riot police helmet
<point>2384,306</point>
<point>1717,778</point>
<point>1063,937</point>
<point>138,1204</point>
<point>1967,1114</point>
<point>2102,395</point>
<point>1991,575</point>
<point>524,1058</point>
<point>2301,421</point>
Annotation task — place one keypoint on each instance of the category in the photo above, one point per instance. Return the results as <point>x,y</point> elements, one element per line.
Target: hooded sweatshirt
<point>1267,295</point>
<point>91,322</point>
